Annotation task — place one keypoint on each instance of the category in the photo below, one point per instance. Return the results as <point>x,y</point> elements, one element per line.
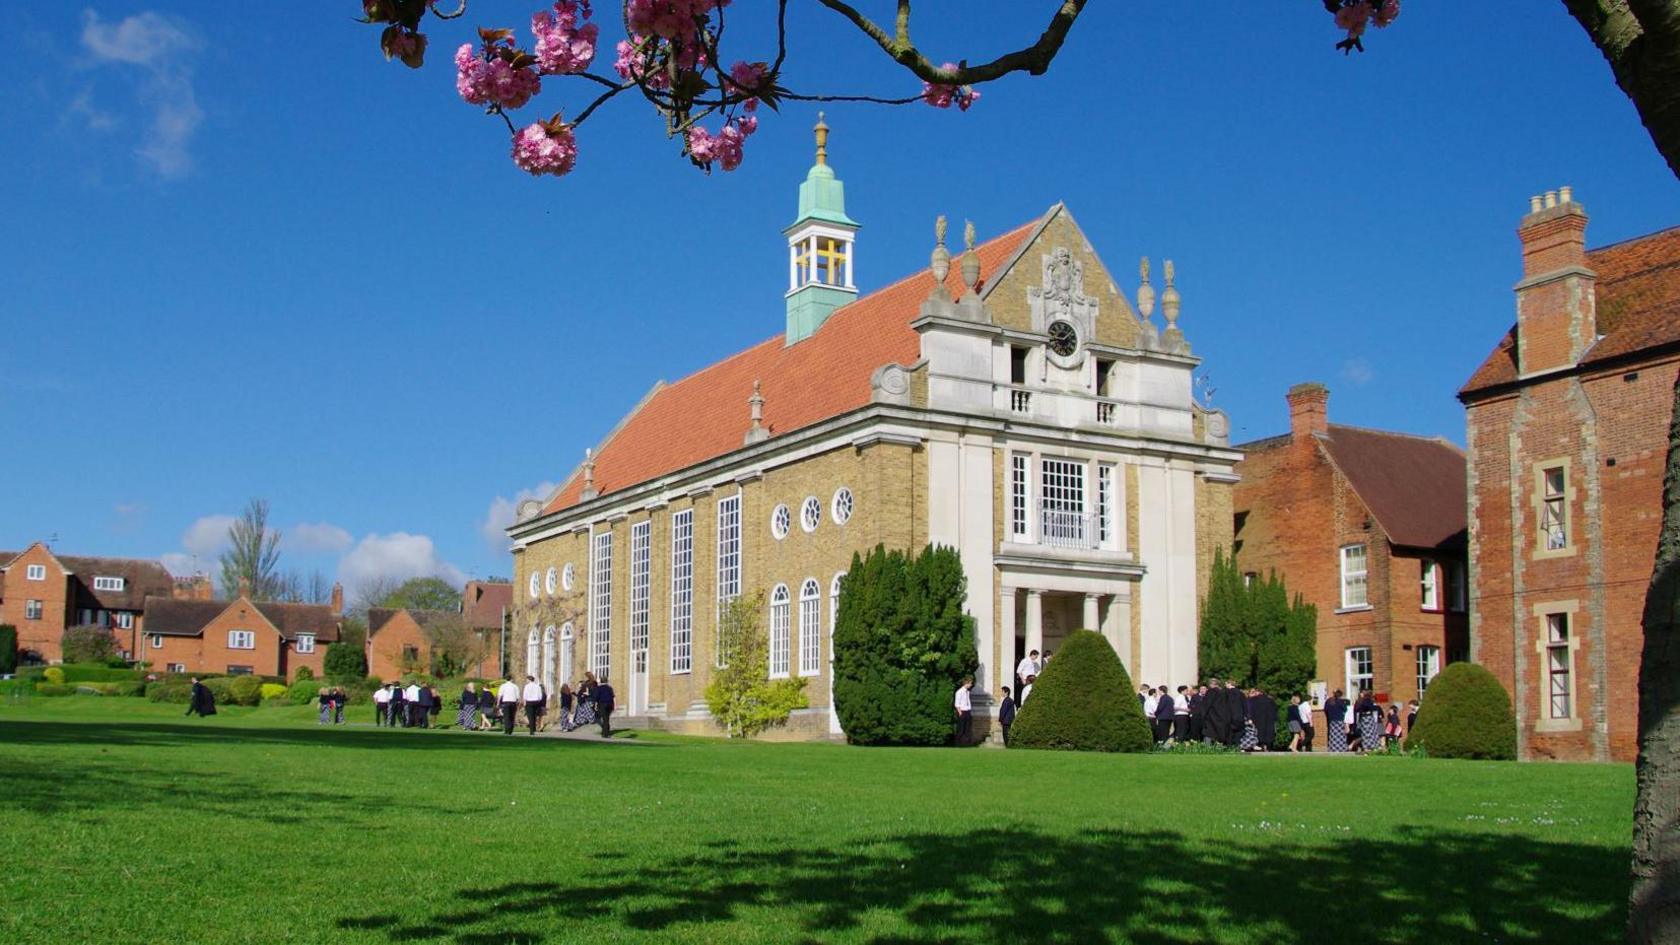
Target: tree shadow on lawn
<point>160,734</point>
<point>998,885</point>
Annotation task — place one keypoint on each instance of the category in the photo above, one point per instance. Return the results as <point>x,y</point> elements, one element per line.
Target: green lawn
<point>120,821</point>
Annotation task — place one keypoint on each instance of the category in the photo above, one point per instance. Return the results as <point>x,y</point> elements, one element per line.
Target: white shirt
<point>1304,710</point>
<point>1026,691</point>
<point>1027,667</point>
<point>533,692</point>
<point>508,692</point>
<point>1150,704</point>
<point>964,704</point>
<point>412,694</point>
<point>381,696</point>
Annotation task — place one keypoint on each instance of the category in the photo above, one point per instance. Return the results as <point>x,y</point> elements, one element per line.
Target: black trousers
<point>965,727</point>
<point>1181,728</point>
<point>1306,737</point>
<point>1006,733</point>
<point>606,720</point>
<point>381,711</point>
<point>533,711</point>
<point>510,717</point>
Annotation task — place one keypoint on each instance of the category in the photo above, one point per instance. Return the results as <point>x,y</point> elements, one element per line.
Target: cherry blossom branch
<point>1033,60</point>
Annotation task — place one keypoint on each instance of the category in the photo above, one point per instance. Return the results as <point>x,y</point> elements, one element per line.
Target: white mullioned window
<point>568,577</point>
<point>810,628</point>
<point>1431,585</point>
<point>157,641</point>
<point>641,583</point>
<point>834,608</point>
<point>780,634</point>
<point>1428,664</point>
<point>32,610</point>
<point>841,507</point>
<point>810,514</point>
<point>242,640</point>
<point>125,620</point>
<point>728,561</point>
<point>682,591</point>
<point>1063,503</point>
<point>1353,576</point>
<point>1105,505</point>
<point>1554,509</point>
<point>306,643</point>
<point>600,588</point>
<point>102,583</point>
<point>1019,489</point>
<point>36,572</point>
<point>781,522</point>
<point>535,585</point>
<point>1560,668</point>
<point>533,650</point>
<point>1359,669</point>
<point>551,579</point>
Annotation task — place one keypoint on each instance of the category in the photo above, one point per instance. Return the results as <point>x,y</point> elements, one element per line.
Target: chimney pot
<point>1309,409</point>
<point>1566,194</point>
<point>1534,204</point>
<point>1551,199</point>
<point>338,598</point>
<point>244,587</point>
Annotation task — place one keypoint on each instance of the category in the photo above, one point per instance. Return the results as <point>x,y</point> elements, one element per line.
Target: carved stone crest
<point>1060,296</point>
<point>890,384</point>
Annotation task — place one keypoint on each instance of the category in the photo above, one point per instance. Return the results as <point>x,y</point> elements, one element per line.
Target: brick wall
<point>43,635</point>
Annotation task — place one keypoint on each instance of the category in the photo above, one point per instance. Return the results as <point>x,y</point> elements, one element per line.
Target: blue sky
<point>250,258</point>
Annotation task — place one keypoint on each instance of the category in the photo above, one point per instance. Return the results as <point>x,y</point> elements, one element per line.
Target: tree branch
<point>1640,39</point>
<point>1033,60</point>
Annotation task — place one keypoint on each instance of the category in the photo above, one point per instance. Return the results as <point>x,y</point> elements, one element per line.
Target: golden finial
<point>822,139</point>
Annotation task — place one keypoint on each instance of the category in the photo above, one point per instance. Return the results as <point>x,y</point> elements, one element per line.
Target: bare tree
<point>253,554</point>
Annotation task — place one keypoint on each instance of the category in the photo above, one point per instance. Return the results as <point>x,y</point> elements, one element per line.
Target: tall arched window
<point>532,651</point>
<point>780,606</point>
<point>833,607</point>
<point>810,628</point>
<point>547,677</point>
<point>566,653</point>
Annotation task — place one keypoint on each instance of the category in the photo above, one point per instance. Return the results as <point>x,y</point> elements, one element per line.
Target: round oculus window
<point>568,577</point>
<point>1064,339</point>
<point>780,521</point>
<point>841,508</point>
<point>550,580</point>
<point>536,584</point>
<point>810,513</point>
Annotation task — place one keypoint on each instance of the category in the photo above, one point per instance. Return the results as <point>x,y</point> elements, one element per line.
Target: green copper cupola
<point>819,248</point>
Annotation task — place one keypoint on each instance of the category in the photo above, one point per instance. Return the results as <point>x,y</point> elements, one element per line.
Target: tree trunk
<point>1654,904</point>
<point>1641,41</point>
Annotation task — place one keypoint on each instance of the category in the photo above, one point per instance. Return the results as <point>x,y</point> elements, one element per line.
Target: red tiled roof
<point>484,602</point>
<point>704,415</point>
<point>1638,306</point>
<point>1414,485</point>
<point>189,617</point>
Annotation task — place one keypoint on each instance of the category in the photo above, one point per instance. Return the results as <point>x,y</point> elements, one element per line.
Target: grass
<point>121,821</point>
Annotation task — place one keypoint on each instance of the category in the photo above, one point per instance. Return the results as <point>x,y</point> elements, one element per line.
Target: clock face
<point>1063,339</point>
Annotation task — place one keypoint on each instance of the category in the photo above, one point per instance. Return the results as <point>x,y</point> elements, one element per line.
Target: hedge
<point>97,672</point>
<point>53,675</point>
<point>272,690</point>
<point>8,649</point>
<point>245,690</point>
<point>177,692</point>
<point>304,691</point>
<point>1083,701</point>
<point>53,689</point>
<point>1466,713</point>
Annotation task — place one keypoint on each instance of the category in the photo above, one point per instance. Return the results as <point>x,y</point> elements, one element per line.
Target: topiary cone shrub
<point>1465,714</point>
<point>1084,701</point>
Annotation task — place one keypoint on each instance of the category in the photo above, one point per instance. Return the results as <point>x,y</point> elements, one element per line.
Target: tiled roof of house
<point>484,602</point>
<point>705,415</point>
<point>1414,485</point>
<point>172,617</point>
<point>378,617</point>
<point>1638,306</point>
<point>141,578</point>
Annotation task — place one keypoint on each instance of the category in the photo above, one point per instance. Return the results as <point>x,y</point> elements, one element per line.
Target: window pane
<point>682,591</point>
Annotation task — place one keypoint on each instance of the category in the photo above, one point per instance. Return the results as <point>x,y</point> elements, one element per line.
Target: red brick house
<point>399,641</point>
<point>1567,433</point>
<point>43,594</point>
<point>264,638</point>
<point>1369,527</point>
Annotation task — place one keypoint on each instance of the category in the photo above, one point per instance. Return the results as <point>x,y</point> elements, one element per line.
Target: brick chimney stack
<point>245,587</point>
<point>1309,409</point>
<point>1556,317</point>
<point>338,598</point>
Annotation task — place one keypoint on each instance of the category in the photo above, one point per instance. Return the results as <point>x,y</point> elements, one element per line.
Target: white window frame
<point>1430,586</point>
<point>810,628</point>
<point>533,650</point>
<point>32,610</point>
<point>1020,497</point>
<point>568,577</point>
<point>242,640</point>
<point>156,640</point>
<point>306,643</point>
<point>840,507</point>
<point>1428,666</point>
<point>1558,650</point>
<point>125,620</point>
<point>780,631</point>
<point>1552,508</point>
<point>36,572</point>
<point>728,563</point>
<point>1355,579</point>
<point>551,580</point>
<point>1105,506</point>
<point>600,591</point>
<point>781,521</point>
<point>810,514</point>
<point>105,582</point>
<point>177,668</point>
<point>536,585</point>
<point>1355,680</point>
<point>1063,492</point>
<point>641,584</point>
<point>682,591</point>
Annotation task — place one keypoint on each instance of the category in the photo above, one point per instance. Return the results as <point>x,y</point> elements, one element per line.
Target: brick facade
<point>1570,415</point>
<point>1297,508</point>
<point>72,590</point>
<point>209,636</point>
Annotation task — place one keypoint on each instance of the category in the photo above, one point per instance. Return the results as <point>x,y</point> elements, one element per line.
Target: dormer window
<point>102,583</point>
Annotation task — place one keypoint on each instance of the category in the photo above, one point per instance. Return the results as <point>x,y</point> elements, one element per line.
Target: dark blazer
<point>1006,712</point>
<point>604,696</point>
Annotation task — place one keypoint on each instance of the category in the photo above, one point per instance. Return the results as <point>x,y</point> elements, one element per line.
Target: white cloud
<point>398,556</point>
<point>1358,372</point>
<point>181,564</point>
<point>92,117</point>
<point>502,509</point>
<point>315,538</point>
<point>207,536</point>
<point>161,49</point>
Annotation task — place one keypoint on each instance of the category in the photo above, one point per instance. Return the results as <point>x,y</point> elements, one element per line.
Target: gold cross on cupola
<point>820,259</point>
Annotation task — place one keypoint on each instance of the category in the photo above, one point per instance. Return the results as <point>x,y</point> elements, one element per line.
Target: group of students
<point>333,699</point>
<point>1225,713</point>
<point>416,705</point>
<point>1363,725</point>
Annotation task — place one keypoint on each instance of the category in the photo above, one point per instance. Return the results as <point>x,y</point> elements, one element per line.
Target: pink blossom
<point>670,19</point>
<point>545,148</point>
<point>943,96</point>
<point>1386,13</point>
<point>747,75</point>
<point>494,81</point>
<point>725,148</point>
<point>563,46</point>
<point>1353,18</point>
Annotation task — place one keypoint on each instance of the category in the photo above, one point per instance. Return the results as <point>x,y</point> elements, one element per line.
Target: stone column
<point>1091,621</point>
<point>1007,657</point>
<point>1035,621</point>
